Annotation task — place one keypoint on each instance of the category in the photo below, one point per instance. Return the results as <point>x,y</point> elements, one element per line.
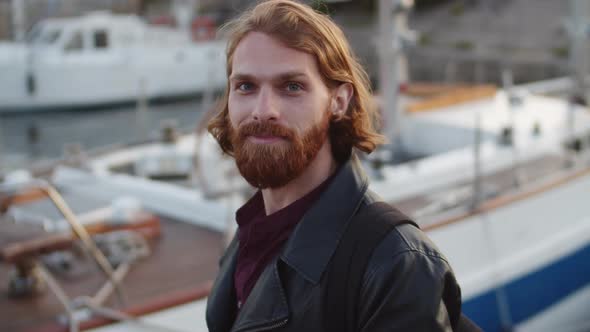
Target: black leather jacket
<point>408,284</point>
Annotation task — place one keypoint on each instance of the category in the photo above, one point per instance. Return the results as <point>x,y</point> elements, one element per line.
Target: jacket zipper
<point>268,327</point>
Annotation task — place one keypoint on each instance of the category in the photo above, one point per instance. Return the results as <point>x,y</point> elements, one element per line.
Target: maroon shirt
<point>261,237</point>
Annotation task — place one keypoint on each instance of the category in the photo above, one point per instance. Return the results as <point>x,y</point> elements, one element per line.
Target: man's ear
<point>341,99</point>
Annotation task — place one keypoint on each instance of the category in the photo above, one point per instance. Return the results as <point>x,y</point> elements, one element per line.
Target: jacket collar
<point>317,235</point>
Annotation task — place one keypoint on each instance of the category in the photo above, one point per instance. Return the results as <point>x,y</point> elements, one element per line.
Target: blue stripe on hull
<point>534,292</point>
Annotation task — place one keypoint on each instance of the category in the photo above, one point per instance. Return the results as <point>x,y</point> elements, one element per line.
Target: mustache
<point>265,128</point>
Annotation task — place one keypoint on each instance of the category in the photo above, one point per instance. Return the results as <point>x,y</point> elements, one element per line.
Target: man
<point>296,111</point>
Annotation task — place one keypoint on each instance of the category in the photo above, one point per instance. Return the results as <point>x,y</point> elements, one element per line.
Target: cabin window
<point>50,37</point>
<point>34,34</point>
<point>75,43</point>
<point>101,39</point>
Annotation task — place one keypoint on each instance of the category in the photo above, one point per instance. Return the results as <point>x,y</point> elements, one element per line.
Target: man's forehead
<point>260,55</point>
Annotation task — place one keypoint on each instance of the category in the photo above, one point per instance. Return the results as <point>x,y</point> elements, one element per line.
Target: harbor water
<point>30,137</point>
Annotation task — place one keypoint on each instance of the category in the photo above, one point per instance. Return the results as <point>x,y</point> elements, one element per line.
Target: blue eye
<point>245,86</point>
<point>293,87</point>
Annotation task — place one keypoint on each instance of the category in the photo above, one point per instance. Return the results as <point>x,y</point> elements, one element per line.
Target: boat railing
<point>23,254</point>
<point>77,228</point>
<point>439,214</point>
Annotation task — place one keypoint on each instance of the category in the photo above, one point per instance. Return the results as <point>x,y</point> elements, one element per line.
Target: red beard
<point>275,164</point>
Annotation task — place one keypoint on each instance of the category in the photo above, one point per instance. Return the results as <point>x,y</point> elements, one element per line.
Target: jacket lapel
<point>314,240</point>
<point>266,306</point>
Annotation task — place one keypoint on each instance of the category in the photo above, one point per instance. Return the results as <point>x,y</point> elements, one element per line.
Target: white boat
<point>102,58</point>
<point>511,212</point>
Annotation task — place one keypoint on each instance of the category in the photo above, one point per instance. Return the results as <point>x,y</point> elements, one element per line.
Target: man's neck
<point>317,172</point>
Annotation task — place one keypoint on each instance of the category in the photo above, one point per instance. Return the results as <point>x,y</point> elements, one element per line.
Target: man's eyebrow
<point>241,77</point>
<point>290,75</point>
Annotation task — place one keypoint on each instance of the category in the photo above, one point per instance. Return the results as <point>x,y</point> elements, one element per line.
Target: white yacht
<point>101,59</point>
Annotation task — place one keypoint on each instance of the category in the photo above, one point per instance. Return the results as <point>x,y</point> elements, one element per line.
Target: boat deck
<point>183,258</point>
<point>426,206</point>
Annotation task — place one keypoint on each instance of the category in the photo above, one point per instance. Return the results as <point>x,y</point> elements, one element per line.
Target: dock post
<point>141,109</point>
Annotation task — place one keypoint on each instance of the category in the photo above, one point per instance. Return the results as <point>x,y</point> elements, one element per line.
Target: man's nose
<point>266,107</point>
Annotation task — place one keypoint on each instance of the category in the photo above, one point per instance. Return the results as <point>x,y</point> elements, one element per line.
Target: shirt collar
<point>252,209</point>
<point>254,212</point>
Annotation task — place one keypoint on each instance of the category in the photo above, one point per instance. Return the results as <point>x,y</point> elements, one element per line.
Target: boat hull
<point>57,81</point>
<point>517,270</point>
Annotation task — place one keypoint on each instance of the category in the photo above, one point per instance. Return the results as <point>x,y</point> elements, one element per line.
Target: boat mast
<point>18,20</point>
<point>2,161</point>
<point>392,63</point>
<point>183,11</point>
<point>578,29</point>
